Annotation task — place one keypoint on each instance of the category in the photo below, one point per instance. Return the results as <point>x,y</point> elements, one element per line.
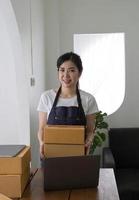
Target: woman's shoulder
<point>48,93</point>
<point>89,102</point>
<point>85,94</point>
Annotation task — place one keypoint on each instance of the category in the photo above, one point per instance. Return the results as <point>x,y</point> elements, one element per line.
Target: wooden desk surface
<point>107,189</point>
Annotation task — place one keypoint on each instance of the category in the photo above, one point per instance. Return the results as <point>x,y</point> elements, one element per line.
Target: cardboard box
<point>3,197</point>
<point>17,164</point>
<point>64,134</point>
<point>58,150</point>
<point>13,185</point>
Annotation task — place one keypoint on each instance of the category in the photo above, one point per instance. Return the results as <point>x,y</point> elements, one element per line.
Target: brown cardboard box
<point>17,164</point>
<point>64,134</point>
<point>13,185</point>
<point>58,150</point>
<point>3,197</point>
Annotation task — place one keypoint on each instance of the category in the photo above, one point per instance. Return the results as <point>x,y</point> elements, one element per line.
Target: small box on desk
<point>60,150</point>
<point>64,134</point>
<point>14,170</point>
<point>13,185</point>
<point>17,164</point>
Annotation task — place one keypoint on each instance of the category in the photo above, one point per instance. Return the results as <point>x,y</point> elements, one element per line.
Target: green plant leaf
<point>102,135</point>
<point>102,125</point>
<point>97,140</point>
<point>99,137</point>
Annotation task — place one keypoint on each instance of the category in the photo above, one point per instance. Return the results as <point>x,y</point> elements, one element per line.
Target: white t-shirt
<point>47,99</point>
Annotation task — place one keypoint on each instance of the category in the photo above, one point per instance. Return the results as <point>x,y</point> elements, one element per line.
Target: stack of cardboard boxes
<point>64,141</point>
<point>15,173</point>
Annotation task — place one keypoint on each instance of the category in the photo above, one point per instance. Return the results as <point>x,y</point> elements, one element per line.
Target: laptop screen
<point>71,172</point>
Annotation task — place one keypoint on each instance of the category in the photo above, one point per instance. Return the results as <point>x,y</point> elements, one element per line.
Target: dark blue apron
<point>63,115</point>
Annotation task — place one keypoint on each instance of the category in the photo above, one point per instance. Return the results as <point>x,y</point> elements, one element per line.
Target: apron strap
<point>56,98</point>
<point>80,105</point>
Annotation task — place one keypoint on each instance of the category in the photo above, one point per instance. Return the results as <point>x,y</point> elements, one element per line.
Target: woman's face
<point>68,74</point>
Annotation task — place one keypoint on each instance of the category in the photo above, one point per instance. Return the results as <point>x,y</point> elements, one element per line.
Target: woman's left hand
<point>88,144</point>
<point>89,132</point>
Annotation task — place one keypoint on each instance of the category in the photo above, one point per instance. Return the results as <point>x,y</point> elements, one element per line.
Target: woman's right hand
<point>42,124</point>
<point>42,150</point>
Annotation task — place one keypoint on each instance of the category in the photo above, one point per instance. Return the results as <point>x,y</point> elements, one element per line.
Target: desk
<point>107,189</point>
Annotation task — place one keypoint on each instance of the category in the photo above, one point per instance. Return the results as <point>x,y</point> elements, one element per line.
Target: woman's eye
<point>61,70</point>
<point>68,71</point>
<point>72,70</point>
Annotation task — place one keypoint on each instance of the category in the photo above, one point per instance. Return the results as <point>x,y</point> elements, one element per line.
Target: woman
<point>67,105</point>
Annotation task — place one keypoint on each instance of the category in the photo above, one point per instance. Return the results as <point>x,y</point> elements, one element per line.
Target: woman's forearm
<point>40,135</point>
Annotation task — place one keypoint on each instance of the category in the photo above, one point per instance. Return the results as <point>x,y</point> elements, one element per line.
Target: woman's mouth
<point>66,81</point>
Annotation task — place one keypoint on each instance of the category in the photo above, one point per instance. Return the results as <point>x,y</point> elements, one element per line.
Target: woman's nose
<point>66,74</point>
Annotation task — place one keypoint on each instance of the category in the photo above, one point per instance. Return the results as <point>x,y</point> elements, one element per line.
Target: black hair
<point>70,56</point>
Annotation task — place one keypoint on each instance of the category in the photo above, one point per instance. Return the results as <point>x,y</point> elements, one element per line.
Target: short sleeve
<point>43,104</point>
<point>92,105</point>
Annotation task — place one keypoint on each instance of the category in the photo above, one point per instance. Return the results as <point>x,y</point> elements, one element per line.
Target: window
<point>103,57</point>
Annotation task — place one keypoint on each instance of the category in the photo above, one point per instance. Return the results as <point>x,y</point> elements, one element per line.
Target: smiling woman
<point>68,105</point>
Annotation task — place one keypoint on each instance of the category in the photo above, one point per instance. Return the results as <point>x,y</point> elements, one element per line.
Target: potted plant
<point>101,129</point>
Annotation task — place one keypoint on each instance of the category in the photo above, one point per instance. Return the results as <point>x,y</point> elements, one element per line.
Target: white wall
<point>39,71</point>
<point>31,22</point>
<point>52,45</point>
<point>14,105</point>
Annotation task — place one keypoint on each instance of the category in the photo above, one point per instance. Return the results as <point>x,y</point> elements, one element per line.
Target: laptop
<point>10,150</point>
<point>71,172</point>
